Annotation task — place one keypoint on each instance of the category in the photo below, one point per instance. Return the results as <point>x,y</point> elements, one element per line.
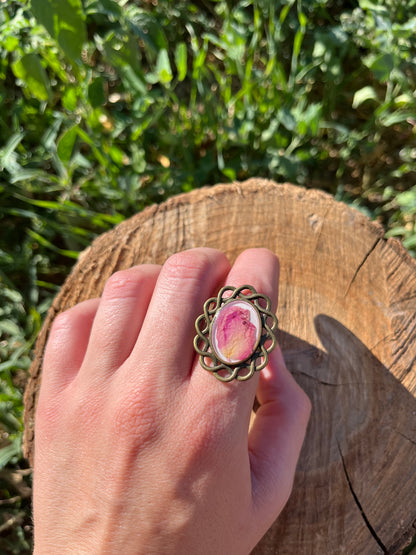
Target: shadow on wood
<point>347,312</point>
<point>357,439</point>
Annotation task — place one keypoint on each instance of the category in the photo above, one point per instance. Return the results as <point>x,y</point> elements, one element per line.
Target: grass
<point>111,106</point>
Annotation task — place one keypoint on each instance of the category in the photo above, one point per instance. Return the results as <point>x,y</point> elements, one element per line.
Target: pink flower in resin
<point>236,331</point>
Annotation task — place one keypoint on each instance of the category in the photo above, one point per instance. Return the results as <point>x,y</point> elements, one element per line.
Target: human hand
<point>140,450</point>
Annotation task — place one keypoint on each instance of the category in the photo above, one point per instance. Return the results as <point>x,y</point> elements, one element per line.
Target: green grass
<point>111,106</point>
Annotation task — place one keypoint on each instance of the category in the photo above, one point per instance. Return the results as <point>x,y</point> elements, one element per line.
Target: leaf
<point>407,199</point>
<point>116,155</point>
<point>230,173</point>
<point>30,70</point>
<point>284,12</point>
<point>31,174</point>
<point>11,43</point>
<point>65,22</point>
<point>373,7</point>
<point>181,60</point>
<point>107,7</point>
<point>297,43</point>
<point>311,118</point>
<point>149,30</point>
<point>6,153</point>
<point>132,79</point>
<point>396,117</point>
<point>96,92</point>
<point>66,143</point>
<point>9,327</point>
<point>360,96</point>
<point>396,231</point>
<point>7,453</point>
<point>125,57</point>
<point>410,242</point>
<point>69,99</point>
<point>163,68</point>
<point>381,65</point>
<point>286,119</point>
<point>46,243</point>
<point>303,20</point>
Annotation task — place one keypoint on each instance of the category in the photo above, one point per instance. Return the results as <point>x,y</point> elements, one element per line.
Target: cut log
<point>347,314</point>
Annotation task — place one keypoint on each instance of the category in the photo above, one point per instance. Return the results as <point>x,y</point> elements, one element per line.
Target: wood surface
<point>347,315</point>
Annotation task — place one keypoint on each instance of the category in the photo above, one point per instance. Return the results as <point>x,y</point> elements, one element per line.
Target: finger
<point>276,437</point>
<point>185,281</point>
<point>119,318</point>
<point>67,344</point>
<point>259,268</point>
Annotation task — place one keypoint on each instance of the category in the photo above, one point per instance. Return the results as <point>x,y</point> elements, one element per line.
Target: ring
<point>236,333</point>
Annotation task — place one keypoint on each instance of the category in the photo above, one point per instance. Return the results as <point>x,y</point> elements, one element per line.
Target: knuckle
<point>187,264</point>
<point>119,279</point>
<point>71,317</point>
<point>63,321</point>
<point>123,283</point>
<point>61,329</point>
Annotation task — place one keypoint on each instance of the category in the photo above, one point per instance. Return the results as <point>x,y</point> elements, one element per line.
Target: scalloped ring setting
<point>235,333</point>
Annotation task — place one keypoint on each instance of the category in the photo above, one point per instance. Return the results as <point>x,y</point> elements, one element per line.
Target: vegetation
<point>110,105</point>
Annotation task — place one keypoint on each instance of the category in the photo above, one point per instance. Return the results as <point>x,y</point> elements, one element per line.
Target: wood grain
<point>347,314</point>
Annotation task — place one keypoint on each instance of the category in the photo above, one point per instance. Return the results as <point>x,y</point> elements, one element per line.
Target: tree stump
<point>347,314</point>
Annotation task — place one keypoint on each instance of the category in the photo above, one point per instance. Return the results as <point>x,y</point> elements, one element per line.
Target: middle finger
<point>185,281</point>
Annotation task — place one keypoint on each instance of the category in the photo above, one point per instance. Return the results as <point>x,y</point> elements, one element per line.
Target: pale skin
<point>140,450</point>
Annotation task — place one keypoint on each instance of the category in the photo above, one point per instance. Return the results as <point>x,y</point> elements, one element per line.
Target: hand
<point>140,450</point>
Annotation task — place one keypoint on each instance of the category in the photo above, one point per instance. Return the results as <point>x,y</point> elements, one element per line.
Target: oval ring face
<point>235,331</point>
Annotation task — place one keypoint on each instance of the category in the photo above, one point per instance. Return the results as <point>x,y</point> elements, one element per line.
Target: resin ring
<point>236,333</point>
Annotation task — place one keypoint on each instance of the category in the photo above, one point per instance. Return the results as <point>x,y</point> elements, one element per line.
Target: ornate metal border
<point>260,357</point>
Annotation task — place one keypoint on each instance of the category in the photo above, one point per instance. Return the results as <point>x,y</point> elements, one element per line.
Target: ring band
<point>236,333</point>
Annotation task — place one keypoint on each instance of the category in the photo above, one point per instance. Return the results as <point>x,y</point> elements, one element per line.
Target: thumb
<point>276,437</point>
